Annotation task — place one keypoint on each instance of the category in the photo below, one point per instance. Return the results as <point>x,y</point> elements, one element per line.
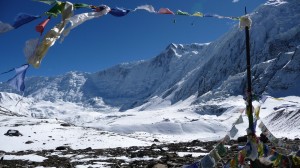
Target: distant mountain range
<point>208,71</point>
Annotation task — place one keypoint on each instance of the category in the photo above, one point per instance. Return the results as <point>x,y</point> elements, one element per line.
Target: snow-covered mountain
<point>189,77</point>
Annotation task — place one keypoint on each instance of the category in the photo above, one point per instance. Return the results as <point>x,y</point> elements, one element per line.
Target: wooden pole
<point>249,84</point>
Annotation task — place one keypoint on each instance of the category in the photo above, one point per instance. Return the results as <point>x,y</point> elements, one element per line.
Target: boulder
<point>13,133</point>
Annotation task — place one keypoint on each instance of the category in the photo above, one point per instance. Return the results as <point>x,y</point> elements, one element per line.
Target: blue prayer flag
<point>194,165</point>
<point>23,18</point>
<point>17,82</point>
<point>119,12</point>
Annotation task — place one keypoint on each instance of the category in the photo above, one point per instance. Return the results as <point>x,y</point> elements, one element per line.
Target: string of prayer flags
<point>275,140</point>
<point>165,11</point>
<point>277,158</point>
<point>36,49</point>
<point>51,36</point>
<point>148,8</point>
<point>119,12</point>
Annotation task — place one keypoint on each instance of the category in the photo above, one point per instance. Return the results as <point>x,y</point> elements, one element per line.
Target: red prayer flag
<point>165,11</point>
<point>40,27</point>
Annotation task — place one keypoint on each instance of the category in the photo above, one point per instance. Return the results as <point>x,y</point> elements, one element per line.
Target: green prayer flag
<point>179,12</point>
<point>56,9</point>
<point>221,150</point>
<point>49,2</point>
<point>81,5</point>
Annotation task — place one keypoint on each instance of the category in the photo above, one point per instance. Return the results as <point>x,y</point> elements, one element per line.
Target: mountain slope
<point>194,79</point>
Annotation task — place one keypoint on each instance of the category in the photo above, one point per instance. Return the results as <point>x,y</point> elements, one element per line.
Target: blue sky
<point>106,41</point>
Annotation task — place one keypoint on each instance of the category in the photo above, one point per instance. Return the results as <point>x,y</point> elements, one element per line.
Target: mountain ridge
<point>210,70</point>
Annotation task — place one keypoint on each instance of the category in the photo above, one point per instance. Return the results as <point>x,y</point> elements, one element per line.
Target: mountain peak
<point>207,70</point>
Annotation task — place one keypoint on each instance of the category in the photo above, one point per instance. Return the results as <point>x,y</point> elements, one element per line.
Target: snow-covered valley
<point>187,92</point>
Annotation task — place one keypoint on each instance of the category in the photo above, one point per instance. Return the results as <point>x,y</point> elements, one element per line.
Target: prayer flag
<point>199,14</point>
<point>5,27</point>
<point>23,18</point>
<point>148,8</point>
<point>119,12</point>
<point>49,2</point>
<point>40,27</point>
<point>165,11</point>
<point>81,18</point>
<point>233,131</point>
<point>17,82</point>
<point>239,120</point>
<point>179,12</point>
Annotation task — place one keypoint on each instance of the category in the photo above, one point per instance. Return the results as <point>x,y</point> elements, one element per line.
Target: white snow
<point>31,157</point>
<point>187,92</point>
<point>49,134</point>
<point>133,128</point>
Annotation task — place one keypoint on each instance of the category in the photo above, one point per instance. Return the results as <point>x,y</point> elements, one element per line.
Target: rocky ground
<point>154,156</point>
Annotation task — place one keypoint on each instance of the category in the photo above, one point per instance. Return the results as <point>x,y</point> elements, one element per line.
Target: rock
<point>156,140</point>
<point>88,149</point>
<point>160,166</point>
<point>1,156</point>
<point>62,148</point>
<point>188,155</point>
<point>13,133</point>
<point>29,142</point>
<point>65,125</point>
<point>196,142</point>
<point>153,146</point>
<point>242,138</point>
